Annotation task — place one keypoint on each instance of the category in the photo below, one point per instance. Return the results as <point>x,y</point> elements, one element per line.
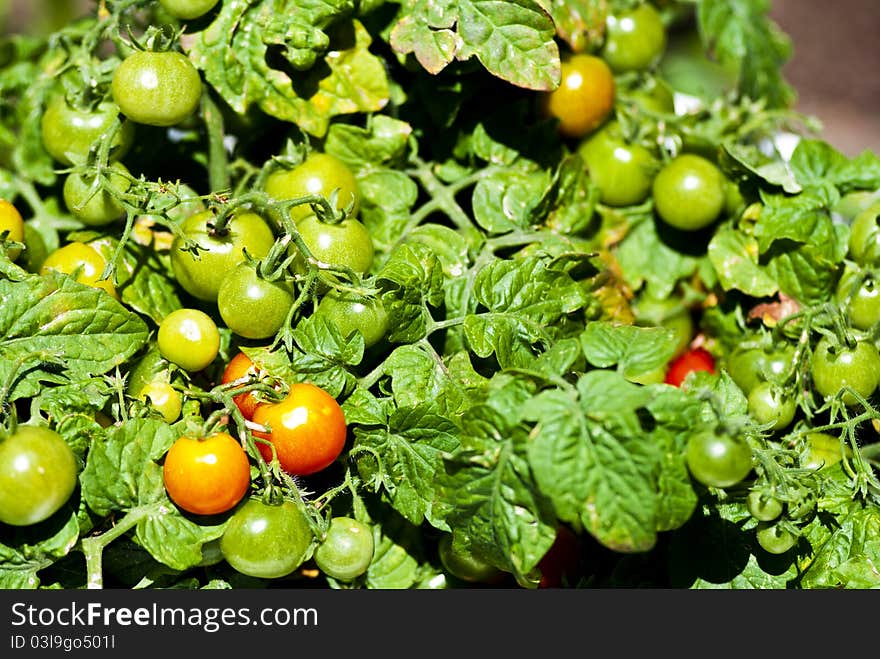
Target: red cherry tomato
<point>694,359</point>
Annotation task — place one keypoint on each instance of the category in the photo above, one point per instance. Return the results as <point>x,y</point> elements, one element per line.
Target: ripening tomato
<point>585,96</point>
<point>12,224</point>
<point>694,359</point>
<point>240,370</point>
<point>307,429</point>
<point>206,475</point>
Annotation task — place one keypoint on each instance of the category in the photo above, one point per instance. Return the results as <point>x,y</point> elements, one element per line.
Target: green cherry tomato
<point>156,88</point>
<point>102,206</point>
<point>265,540</point>
<point>189,338</point>
<point>69,131</point>
<point>822,450</point>
<point>749,366</point>
<point>834,367</point>
<point>465,565</point>
<point>623,171</point>
<point>634,40</point>
<point>318,174</point>
<point>762,507</point>
<point>864,236</point>
<point>346,244</point>
<point>859,295</point>
<point>35,252</point>
<point>162,397</point>
<point>346,551</point>
<point>584,98</point>
<point>716,459</point>
<point>188,9</point>
<point>352,313</point>
<point>12,224</point>
<point>251,306</point>
<point>774,538</point>
<point>770,404</point>
<point>689,192</point>
<point>38,473</point>
<point>83,260</point>
<point>201,274</point>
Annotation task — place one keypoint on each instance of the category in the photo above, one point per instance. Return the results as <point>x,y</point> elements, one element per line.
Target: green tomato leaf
<point>412,281</point>
<point>383,141</point>
<point>25,551</point>
<point>56,317</point>
<point>336,73</point>
<point>580,23</point>
<point>512,40</point>
<point>634,349</point>
<point>505,200</point>
<point>735,257</point>
<point>411,449</point>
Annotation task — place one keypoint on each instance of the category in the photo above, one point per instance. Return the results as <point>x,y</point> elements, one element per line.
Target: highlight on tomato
<point>206,475</point>
<point>307,429</point>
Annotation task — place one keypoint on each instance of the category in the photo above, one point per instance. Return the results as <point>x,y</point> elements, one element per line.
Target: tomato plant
<point>38,474</point>
<point>240,370</point>
<point>318,174</point>
<point>69,132</point>
<point>845,370</point>
<point>634,39</point>
<point>157,88</point>
<point>748,366</point>
<point>346,550</point>
<point>83,262</point>
<point>206,475</point>
<point>466,565</point>
<point>354,313</point>
<point>623,170</point>
<point>88,201</point>
<point>717,459</point>
<point>693,359</point>
<point>306,429</point>
<point>12,224</point>
<point>252,306</point>
<point>266,540</point>
<point>218,251</point>
<point>189,338</point>
<point>345,244</point>
<point>689,192</point>
<point>585,96</point>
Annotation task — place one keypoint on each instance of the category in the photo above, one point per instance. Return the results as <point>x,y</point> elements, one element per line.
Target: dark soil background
<point>835,66</point>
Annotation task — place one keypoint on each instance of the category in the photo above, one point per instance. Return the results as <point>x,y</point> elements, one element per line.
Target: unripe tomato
<point>156,88</point>
<point>82,259</point>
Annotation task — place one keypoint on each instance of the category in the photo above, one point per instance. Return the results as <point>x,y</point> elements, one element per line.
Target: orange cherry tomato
<point>206,475</point>
<point>238,370</point>
<point>585,96</point>
<point>307,429</point>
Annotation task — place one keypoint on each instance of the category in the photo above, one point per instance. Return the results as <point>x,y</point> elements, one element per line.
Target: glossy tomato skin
<point>822,450</point>
<point>346,550</point>
<point>266,540</point>
<point>103,207</point>
<point>351,313</point>
<point>763,508</point>
<point>693,359</point>
<point>864,236</point>
<point>344,244</point>
<point>189,338</point>
<point>771,404</point>
<point>622,170</point>
<point>834,367</point>
<point>774,538</point>
<point>251,306</point>
<point>12,222</point>
<point>317,174</point>
<point>83,259</point>
<point>716,459</point>
<point>689,192</point>
<point>206,475</point>
<point>859,295</point>
<point>635,40</point>
<point>188,9</point>
<point>584,98</point>
<point>162,397</point>
<point>750,366</point>
<point>68,131</point>
<point>307,429</point>
<point>156,88</point>
<point>38,474</point>
<point>241,368</point>
<point>202,274</point>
